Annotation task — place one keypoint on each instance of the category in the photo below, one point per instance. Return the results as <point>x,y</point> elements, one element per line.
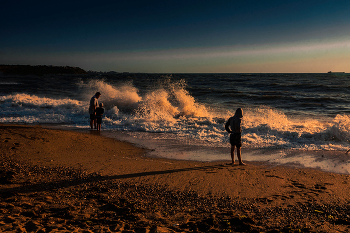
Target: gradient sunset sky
<point>178,36</point>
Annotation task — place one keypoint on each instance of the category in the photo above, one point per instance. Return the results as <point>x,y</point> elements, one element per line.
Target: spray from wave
<point>267,128</point>
<point>162,105</point>
<point>167,106</point>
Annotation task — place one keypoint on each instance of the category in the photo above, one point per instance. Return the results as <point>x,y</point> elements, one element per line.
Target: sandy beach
<point>64,181</point>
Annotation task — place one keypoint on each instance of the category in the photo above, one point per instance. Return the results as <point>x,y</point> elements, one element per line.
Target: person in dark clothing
<point>99,112</point>
<point>233,126</point>
<point>92,108</point>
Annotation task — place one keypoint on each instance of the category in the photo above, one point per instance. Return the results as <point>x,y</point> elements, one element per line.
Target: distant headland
<point>39,70</point>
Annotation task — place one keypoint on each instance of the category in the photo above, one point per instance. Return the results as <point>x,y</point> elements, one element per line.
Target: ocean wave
<point>36,101</point>
<point>168,107</point>
<point>270,128</point>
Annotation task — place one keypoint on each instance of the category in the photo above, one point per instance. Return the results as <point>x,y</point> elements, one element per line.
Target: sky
<point>168,36</point>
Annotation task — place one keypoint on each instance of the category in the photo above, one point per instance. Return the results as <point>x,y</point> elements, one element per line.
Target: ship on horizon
<point>331,72</point>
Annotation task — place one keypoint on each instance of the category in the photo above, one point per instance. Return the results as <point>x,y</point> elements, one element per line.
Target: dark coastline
<point>39,70</point>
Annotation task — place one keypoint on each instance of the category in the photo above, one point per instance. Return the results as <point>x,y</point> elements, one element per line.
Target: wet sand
<point>64,181</point>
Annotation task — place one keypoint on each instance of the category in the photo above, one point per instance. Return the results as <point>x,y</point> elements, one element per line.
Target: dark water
<point>301,113</point>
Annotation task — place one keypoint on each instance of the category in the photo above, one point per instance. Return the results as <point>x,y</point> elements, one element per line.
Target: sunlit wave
<point>169,107</point>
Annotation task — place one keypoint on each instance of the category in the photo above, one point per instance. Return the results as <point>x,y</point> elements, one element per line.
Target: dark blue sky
<point>157,36</point>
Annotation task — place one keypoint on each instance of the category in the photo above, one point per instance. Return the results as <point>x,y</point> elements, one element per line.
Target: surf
<point>183,117</point>
<point>168,107</point>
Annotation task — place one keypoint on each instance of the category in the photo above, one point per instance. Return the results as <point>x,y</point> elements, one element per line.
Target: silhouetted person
<point>99,112</point>
<point>233,126</point>
<point>92,108</point>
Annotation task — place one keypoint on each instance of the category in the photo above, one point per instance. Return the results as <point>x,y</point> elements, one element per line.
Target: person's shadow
<point>44,186</point>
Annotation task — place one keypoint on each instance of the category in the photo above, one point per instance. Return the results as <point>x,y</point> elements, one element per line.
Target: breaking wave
<point>169,107</point>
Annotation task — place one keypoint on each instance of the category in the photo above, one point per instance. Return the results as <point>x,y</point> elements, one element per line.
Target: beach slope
<point>55,180</point>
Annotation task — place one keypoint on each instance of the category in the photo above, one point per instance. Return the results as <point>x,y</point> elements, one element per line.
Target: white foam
<point>36,101</point>
<point>169,108</point>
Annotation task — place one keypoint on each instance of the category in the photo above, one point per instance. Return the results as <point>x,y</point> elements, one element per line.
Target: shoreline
<point>325,161</point>
<point>61,179</point>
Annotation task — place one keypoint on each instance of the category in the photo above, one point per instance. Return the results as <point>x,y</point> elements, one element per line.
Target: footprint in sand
<point>298,185</point>
<point>7,139</point>
<point>283,197</point>
<point>275,176</point>
<point>320,187</point>
<point>265,200</point>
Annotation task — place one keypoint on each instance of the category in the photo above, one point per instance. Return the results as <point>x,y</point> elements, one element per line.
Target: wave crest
<point>167,101</point>
<point>125,95</point>
<point>36,101</point>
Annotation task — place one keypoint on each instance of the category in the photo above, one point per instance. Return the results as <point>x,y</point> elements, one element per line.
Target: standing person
<point>92,108</point>
<point>233,126</point>
<point>99,112</point>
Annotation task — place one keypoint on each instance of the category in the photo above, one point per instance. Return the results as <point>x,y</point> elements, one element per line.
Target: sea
<point>294,119</point>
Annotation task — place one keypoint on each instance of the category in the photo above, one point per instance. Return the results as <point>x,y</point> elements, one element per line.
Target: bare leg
<point>233,154</point>
<point>239,156</point>
<point>92,124</point>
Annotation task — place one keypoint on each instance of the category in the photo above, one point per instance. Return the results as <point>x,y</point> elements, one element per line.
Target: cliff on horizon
<point>39,70</point>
